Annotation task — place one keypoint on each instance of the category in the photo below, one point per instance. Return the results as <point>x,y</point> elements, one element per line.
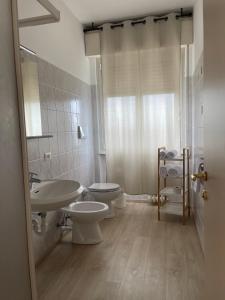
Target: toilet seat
<point>85,208</point>
<point>106,193</point>
<point>104,187</point>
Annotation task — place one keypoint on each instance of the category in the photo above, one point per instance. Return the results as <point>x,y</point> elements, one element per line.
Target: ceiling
<point>98,11</point>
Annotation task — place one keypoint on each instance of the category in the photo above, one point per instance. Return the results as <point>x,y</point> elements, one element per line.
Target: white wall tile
<point>44,147</point>
<point>52,121</point>
<point>34,166</point>
<point>68,121</point>
<point>55,169</point>
<point>61,142</point>
<point>73,105</point>
<point>74,122</point>
<point>44,120</point>
<point>53,142</point>
<point>45,170</point>
<point>33,149</point>
<point>65,103</point>
<point>60,121</point>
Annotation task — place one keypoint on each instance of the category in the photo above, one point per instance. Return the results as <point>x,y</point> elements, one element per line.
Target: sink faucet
<point>32,179</point>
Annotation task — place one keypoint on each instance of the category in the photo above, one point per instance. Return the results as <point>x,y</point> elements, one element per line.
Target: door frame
<point>20,98</point>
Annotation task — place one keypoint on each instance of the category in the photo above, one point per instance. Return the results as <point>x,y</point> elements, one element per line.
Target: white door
<point>214,139</point>
<point>15,283</point>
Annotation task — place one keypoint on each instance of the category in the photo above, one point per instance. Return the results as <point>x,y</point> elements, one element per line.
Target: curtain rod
<point>135,22</point>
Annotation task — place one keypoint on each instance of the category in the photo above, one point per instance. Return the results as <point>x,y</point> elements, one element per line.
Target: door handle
<point>205,195</point>
<point>201,176</point>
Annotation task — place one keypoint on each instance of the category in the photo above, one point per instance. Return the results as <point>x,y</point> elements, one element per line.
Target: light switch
<point>47,156</point>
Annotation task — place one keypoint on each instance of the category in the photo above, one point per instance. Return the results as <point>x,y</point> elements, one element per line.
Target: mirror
<point>29,68</point>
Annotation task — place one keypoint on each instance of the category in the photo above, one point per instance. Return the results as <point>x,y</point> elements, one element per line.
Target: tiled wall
<point>65,104</point>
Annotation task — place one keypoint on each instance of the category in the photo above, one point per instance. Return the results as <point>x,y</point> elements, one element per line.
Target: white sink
<point>54,194</point>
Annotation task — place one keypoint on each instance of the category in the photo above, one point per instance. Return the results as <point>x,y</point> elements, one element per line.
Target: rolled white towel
<point>171,154</point>
<point>174,170</point>
<point>163,171</point>
<point>162,154</point>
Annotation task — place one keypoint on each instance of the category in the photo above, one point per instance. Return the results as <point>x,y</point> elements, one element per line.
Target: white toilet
<point>85,217</point>
<point>106,193</point>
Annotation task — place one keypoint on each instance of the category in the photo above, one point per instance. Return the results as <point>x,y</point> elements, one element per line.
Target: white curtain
<point>141,88</point>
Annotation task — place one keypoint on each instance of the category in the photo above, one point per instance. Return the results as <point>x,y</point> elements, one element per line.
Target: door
<point>214,139</point>
<point>15,283</point>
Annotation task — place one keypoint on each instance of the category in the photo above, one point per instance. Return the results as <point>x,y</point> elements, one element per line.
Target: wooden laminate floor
<point>139,259</point>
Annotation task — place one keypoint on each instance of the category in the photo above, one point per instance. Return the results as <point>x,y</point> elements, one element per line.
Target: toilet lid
<point>104,187</point>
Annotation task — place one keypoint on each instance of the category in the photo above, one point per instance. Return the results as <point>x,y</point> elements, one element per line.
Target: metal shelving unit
<point>177,198</point>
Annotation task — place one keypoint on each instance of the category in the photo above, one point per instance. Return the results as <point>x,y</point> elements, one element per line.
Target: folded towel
<point>162,154</point>
<point>163,171</point>
<point>174,170</point>
<point>170,191</point>
<point>171,154</point>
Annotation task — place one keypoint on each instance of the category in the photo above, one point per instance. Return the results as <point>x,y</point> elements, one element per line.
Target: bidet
<point>85,217</point>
